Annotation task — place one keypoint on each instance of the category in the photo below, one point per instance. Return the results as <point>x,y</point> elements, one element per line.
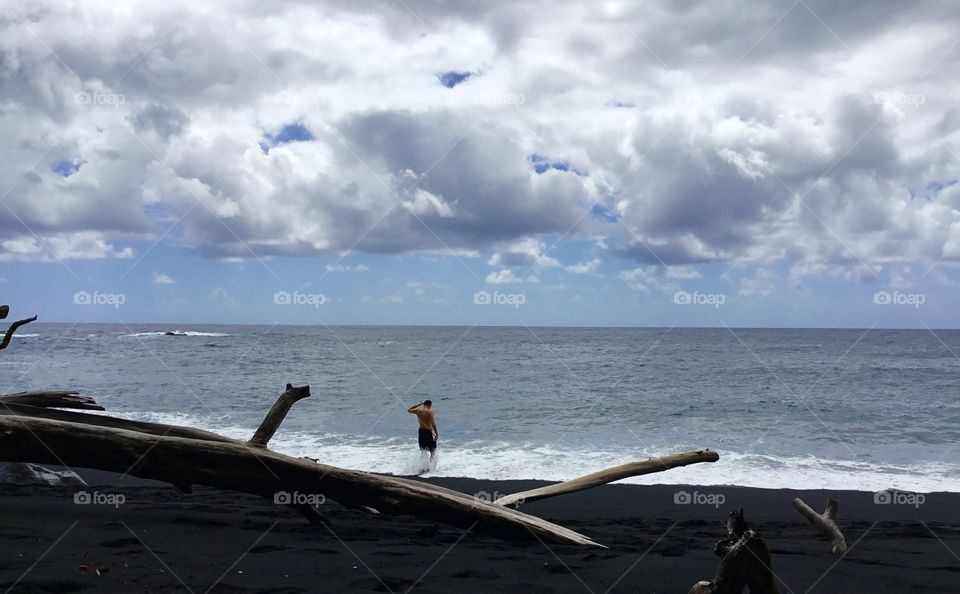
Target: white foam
<point>504,461</point>
<point>26,335</point>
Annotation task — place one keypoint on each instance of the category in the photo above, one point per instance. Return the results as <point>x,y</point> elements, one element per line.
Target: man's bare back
<point>428,431</point>
<point>425,418</point>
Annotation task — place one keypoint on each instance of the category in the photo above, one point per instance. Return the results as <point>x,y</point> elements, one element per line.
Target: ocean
<point>797,408</point>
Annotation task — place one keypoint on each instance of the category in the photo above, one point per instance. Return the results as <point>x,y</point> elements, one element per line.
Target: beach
<point>161,540</point>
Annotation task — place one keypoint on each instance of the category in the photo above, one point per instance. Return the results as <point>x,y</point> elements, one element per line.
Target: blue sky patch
<point>452,79</point>
<point>935,187</point>
<point>602,213</point>
<point>66,167</point>
<point>542,164</point>
<point>292,132</point>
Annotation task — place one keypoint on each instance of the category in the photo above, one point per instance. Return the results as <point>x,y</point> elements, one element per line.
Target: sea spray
<point>420,463</point>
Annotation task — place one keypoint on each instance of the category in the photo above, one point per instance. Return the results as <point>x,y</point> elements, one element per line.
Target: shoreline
<point>161,540</point>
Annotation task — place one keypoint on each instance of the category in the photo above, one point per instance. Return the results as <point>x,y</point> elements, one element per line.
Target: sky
<point>746,163</point>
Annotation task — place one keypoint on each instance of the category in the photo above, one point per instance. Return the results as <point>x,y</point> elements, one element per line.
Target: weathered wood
<point>609,475</point>
<point>824,522</point>
<point>259,471</point>
<point>24,410</point>
<point>53,399</point>
<point>277,413</point>
<point>13,328</point>
<point>746,565</point>
<point>745,562</point>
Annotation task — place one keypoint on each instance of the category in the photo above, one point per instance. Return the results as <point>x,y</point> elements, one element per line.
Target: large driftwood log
<point>53,399</point>
<point>25,410</point>
<point>13,328</point>
<point>824,522</point>
<point>250,469</point>
<point>163,452</point>
<point>745,562</point>
<point>609,475</point>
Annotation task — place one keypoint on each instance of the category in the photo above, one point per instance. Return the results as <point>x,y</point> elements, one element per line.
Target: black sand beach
<point>160,540</point>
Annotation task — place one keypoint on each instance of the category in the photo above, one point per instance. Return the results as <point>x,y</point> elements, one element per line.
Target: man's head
<point>427,403</point>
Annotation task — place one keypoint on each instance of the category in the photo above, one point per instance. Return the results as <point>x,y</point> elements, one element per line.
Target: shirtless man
<point>429,434</point>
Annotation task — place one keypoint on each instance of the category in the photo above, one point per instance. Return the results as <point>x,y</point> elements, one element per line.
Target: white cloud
<point>424,203</point>
<point>503,277</point>
<point>640,278</point>
<point>584,267</point>
<point>527,252</point>
<point>682,272</point>
<point>72,246</point>
<point>162,279</point>
<point>337,267</point>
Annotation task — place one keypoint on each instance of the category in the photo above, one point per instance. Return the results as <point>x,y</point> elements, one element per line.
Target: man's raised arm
<point>413,409</point>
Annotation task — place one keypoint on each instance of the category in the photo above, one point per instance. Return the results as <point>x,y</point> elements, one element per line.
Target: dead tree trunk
<point>184,456</point>
<point>38,412</point>
<point>609,475</point>
<point>4,309</point>
<point>249,469</point>
<point>745,562</point>
<point>53,399</point>
<point>824,523</point>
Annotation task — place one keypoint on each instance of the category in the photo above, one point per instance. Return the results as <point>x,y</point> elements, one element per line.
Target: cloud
<point>162,279</point>
<point>682,272</point>
<point>61,247</point>
<point>739,136</point>
<point>527,252</point>
<point>640,278</point>
<point>337,267</point>
<point>584,267</point>
<point>503,277</point>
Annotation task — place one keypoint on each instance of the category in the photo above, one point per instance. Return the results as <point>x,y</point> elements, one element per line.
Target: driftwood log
<point>744,562</point>
<point>53,398</point>
<point>824,522</point>
<point>186,456</point>
<point>609,475</point>
<point>13,327</point>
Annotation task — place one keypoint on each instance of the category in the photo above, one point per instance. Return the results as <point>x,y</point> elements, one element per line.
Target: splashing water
<point>420,463</point>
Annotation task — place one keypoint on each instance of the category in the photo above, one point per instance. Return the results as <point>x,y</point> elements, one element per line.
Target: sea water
<point>844,409</point>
